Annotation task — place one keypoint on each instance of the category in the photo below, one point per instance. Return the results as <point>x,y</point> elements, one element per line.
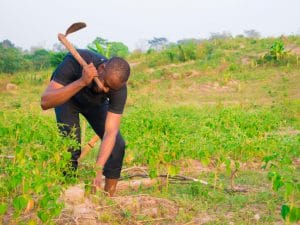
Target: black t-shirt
<point>70,70</point>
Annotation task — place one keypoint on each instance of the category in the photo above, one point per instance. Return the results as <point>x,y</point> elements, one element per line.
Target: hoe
<point>63,39</point>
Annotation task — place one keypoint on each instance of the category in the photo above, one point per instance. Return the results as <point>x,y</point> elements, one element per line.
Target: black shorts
<point>67,116</point>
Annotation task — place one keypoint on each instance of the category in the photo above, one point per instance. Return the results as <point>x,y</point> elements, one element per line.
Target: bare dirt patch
<point>192,167</point>
<point>187,74</point>
<point>284,131</point>
<point>6,86</point>
<point>246,61</point>
<point>92,210</point>
<point>149,208</point>
<point>202,219</point>
<point>293,49</point>
<point>231,86</point>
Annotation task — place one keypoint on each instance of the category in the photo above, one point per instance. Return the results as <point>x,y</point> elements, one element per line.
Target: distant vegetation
<point>14,59</point>
<point>160,51</point>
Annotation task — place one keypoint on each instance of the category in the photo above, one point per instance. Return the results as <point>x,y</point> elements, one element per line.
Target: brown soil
<point>6,86</point>
<point>231,86</point>
<point>149,208</point>
<point>192,167</point>
<point>246,61</point>
<point>285,131</point>
<point>202,219</point>
<point>294,49</point>
<point>93,210</point>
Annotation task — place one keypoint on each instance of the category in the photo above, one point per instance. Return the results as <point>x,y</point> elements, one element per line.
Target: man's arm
<point>112,126</point>
<point>57,94</point>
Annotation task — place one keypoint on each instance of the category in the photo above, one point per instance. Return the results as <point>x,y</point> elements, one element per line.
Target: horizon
<point>169,42</point>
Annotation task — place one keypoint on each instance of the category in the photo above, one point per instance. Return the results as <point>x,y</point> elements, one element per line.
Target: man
<point>72,91</point>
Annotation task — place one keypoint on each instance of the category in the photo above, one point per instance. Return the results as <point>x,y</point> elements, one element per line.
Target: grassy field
<point>226,117</point>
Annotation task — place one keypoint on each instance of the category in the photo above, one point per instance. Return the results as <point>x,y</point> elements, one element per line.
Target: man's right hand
<point>88,74</point>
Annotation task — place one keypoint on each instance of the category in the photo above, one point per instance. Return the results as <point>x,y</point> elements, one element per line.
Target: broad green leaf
<point>99,48</point>
<point>45,201</point>
<point>285,211</point>
<point>19,203</point>
<point>16,180</point>
<point>277,183</point>
<point>43,216</point>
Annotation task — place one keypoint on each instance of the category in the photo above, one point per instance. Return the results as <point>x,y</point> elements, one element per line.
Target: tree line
<point>14,59</point>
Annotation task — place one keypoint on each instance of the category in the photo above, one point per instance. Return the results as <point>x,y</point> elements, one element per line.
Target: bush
<point>11,60</point>
<point>33,176</point>
<point>277,55</point>
<point>56,58</point>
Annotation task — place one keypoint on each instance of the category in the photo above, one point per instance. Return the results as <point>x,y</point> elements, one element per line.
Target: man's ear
<point>101,68</point>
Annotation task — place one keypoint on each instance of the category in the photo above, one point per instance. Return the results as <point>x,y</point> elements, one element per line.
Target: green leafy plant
<point>32,180</point>
<point>282,177</point>
<point>109,49</point>
<point>276,54</point>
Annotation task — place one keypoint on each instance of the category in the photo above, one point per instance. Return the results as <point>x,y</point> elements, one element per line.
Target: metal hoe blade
<point>75,27</point>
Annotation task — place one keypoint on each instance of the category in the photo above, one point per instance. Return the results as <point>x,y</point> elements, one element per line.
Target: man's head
<point>114,73</point>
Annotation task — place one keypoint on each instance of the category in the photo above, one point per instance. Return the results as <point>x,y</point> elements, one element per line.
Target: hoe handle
<point>62,38</point>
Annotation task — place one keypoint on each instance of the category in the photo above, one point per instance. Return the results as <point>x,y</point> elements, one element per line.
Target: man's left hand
<point>97,182</point>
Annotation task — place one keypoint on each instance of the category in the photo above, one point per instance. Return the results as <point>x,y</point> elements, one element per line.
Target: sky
<point>36,23</point>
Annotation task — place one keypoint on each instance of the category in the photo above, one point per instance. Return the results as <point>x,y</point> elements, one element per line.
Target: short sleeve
<point>117,100</point>
<point>67,71</point>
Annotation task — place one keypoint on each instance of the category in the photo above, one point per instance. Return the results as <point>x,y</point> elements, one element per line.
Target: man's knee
<point>120,142</point>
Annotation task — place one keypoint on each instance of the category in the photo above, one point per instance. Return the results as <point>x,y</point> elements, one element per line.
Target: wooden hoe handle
<point>88,147</point>
<point>62,38</point>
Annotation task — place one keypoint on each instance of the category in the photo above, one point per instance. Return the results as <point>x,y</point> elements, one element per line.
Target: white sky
<point>36,22</point>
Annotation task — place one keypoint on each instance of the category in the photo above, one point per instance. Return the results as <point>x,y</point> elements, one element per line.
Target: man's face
<point>108,79</point>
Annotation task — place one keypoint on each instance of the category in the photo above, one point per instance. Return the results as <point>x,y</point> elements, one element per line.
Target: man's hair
<point>118,67</point>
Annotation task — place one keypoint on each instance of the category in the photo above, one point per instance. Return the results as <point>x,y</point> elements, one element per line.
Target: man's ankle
<point>110,186</point>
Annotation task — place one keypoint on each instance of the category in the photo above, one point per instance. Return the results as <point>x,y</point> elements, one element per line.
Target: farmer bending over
<point>72,91</point>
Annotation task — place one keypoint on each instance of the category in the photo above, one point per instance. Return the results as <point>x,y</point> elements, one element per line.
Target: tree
<point>223,35</point>
<point>251,33</point>
<point>56,58</point>
<point>158,43</point>
<point>189,40</point>
<point>108,49</point>
<point>187,51</point>
<point>118,49</point>
<point>41,59</point>
<point>11,58</point>
<point>7,44</point>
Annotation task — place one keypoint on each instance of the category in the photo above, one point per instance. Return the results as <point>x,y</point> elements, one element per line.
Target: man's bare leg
<point>110,186</point>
